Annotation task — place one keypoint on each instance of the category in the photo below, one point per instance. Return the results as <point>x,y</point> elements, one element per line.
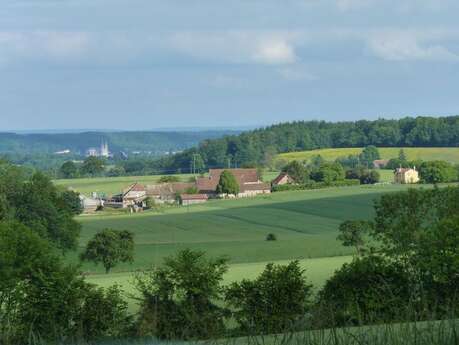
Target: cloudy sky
<point>142,64</point>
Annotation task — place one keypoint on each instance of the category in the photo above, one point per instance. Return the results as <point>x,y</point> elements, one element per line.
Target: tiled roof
<point>194,197</point>
<point>246,178</point>
<point>279,178</point>
<point>136,187</point>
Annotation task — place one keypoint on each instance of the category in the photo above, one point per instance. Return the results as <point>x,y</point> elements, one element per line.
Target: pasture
<point>450,154</point>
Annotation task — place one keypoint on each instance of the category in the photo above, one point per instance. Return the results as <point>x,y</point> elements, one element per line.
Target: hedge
<point>315,185</point>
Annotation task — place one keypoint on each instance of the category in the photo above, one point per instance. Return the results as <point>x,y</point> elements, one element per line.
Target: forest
<point>258,147</point>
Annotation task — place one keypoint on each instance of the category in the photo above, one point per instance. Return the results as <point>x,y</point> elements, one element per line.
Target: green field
<point>450,154</point>
<point>305,223</point>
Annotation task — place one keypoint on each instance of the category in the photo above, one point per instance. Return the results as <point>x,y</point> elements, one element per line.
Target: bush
<point>437,172</point>
<point>315,185</point>
<point>178,299</point>
<point>168,179</point>
<point>275,302</point>
<point>271,237</point>
<point>367,290</point>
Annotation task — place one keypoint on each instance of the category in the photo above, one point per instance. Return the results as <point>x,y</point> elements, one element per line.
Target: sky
<point>145,64</point>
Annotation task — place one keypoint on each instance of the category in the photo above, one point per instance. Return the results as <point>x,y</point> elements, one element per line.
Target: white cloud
<point>43,44</point>
<point>410,45</point>
<point>237,46</point>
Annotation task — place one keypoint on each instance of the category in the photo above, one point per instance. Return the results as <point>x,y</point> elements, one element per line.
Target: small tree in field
<point>352,232</point>
<point>110,247</point>
<point>227,184</point>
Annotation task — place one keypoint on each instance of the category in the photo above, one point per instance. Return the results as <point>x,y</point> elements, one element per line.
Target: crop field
<point>305,223</point>
<point>114,185</point>
<point>450,154</point>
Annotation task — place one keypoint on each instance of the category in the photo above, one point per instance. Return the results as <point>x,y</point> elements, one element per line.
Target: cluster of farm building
<point>204,188</point>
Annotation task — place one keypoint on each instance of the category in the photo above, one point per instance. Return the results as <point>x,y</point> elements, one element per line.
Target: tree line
<point>258,147</point>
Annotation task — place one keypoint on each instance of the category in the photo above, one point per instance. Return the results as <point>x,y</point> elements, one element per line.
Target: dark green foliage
<point>271,237</point>
<point>297,172</point>
<point>104,313</point>
<point>437,172</point>
<point>395,163</point>
<point>328,173</point>
<point>275,302</point>
<point>110,247</point>
<point>402,156</point>
<point>37,203</point>
<point>178,299</point>
<point>192,190</point>
<point>352,233</point>
<point>315,185</point>
<point>168,179</point>
<point>253,146</point>
<point>437,260</point>
<point>68,170</point>
<point>71,202</point>
<point>227,184</point>
<point>405,217</point>
<point>43,299</point>
<point>92,166</point>
<point>365,176</point>
<point>368,290</point>
<point>368,155</point>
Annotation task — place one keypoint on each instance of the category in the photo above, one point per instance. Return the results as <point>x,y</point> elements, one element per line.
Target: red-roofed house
<point>249,183</point>
<point>281,179</point>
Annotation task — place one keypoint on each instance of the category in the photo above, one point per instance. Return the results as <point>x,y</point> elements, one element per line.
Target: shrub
<point>367,290</point>
<point>168,179</point>
<point>271,237</point>
<point>275,302</point>
<point>315,185</point>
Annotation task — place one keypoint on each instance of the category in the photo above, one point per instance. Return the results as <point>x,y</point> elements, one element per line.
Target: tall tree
<point>369,154</point>
<point>227,183</point>
<point>68,170</point>
<point>110,247</point>
<point>179,298</point>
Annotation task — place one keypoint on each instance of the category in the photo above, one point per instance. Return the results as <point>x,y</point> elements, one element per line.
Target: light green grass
<point>305,223</point>
<point>317,271</point>
<point>450,154</point>
<point>110,185</point>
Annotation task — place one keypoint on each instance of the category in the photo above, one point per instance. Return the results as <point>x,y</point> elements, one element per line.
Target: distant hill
<point>154,143</point>
<point>259,147</point>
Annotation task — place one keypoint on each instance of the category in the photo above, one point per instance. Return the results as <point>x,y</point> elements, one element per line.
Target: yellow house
<point>406,175</point>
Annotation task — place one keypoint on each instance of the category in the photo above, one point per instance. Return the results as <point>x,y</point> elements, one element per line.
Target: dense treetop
<point>259,146</point>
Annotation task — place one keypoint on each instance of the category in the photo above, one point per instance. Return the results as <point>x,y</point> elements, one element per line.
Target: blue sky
<point>142,64</point>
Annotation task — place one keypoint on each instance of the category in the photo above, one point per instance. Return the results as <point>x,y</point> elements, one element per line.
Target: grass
<point>450,154</point>
<point>317,271</point>
<point>305,223</point>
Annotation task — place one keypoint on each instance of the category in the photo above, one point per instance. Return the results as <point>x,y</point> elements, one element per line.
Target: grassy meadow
<point>305,223</point>
<point>450,154</point>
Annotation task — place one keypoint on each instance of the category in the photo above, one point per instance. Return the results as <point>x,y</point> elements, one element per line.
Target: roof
<point>255,186</point>
<point>136,187</point>
<point>279,177</point>
<point>194,197</point>
<point>246,178</point>
<point>164,189</point>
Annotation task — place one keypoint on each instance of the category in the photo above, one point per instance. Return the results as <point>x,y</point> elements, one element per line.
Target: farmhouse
<point>406,175</point>
<point>134,195</point>
<point>281,179</point>
<point>249,183</point>
<point>190,199</point>
<point>90,205</point>
<point>167,192</point>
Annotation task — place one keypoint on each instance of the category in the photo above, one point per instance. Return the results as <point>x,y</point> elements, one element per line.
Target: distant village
<point>134,198</point>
